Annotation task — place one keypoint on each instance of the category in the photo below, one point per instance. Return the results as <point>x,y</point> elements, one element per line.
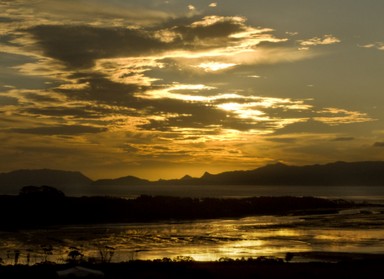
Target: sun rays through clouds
<point>149,84</point>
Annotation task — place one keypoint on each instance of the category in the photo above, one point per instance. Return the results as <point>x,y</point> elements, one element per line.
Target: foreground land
<point>42,206</point>
<point>349,267</point>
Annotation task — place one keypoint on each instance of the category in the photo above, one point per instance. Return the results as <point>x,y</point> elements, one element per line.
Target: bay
<point>358,230</point>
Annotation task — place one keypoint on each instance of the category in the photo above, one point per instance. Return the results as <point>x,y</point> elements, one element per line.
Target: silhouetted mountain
<point>74,183</point>
<point>126,180</point>
<point>70,182</point>
<point>186,177</point>
<point>338,173</point>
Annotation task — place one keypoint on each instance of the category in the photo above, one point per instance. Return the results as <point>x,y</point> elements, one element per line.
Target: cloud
<point>289,140</point>
<point>343,139</point>
<point>376,45</point>
<point>215,66</point>
<point>43,98</point>
<point>142,80</point>
<point>213,5</point>
<point>130,70</point>
<point>101,90</point>
<point>8,101</point>
<point>12,59</point>
<point>325,40</point>
<point>6,19</point>
<point>80,46</point>
<point>60,130</point>
<point>106,13</point>
<point>80,112</point>
<point>378,144</point>
<point>336,116</point>
<point>210,29</point>
<point>306,127</point>
<point>126,55</point>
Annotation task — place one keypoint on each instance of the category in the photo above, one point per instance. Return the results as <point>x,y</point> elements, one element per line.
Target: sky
<point>161,89</point>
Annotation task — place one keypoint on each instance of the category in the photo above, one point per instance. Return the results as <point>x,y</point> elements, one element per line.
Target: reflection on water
<point>349,231</point>
<point>239,191</point>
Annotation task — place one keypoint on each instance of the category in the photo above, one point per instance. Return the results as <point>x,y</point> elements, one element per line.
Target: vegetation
<point>261,267</point>
<point>38,206</point>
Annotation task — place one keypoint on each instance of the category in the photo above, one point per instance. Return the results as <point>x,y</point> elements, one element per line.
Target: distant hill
<point>126,180</point>
<point>70,182</point>
<point>370,173</point>
<point>338,173</point>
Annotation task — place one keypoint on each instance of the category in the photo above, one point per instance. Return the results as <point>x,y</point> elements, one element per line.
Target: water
<point>355,230</point>
<point>239,191</point>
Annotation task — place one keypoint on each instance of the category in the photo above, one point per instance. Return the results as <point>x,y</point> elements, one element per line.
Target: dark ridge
<point>186,177</point>
<point>370,173</point>
<point>43,206</point>
<point>338,173</point>
<point>127,180</point>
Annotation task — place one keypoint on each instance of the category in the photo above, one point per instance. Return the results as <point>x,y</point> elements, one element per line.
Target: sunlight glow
<point>215,66</point>
<point>376,45</point>
<point>243,110</point>
<point>325,40</point>
<point>341,116</point>
<point>211,20</point>
<point>175,91</point>
<point>128,70</point>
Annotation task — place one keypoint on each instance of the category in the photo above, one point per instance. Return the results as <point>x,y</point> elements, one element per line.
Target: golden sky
<point>160,89</point>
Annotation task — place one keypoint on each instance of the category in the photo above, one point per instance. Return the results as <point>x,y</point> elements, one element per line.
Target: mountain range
<point>369,173</point>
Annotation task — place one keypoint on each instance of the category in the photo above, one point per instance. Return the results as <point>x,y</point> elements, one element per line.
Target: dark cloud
<point>7,19</point>
<point>190,31</point>
<point>8,39</point>
<point>102,90</point>
<point>378,144</point>
<point>60,130</point>
<point>221,29</point>
<point>6,101</point>
<point>40,98</point>
<point>188,114</point>
<point>344,139</point>
<point>80,46</point>
<point>310,126</point>
<point>206,118</point>
<point>158,147</point>
<point>191,115</point>
<point>129,148</point>
<point>283,140</point>
<point>9,120</point>
<point>85,112</point>
<point>184,114</point>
